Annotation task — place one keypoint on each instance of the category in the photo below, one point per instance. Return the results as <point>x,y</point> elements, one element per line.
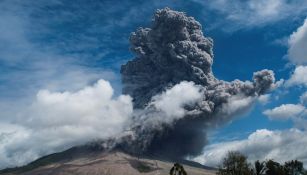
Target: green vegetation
<point>142,166</point>
<point>177,169</point>
<point>294,167</point>
<point>236,163</point>
<point>259,167</point>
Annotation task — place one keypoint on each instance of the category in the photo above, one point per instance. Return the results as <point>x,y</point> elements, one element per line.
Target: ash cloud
<point>174,50</point>
<point>171,98</point>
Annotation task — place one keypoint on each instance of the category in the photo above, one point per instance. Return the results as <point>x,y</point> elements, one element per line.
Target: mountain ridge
<point>94,160</point>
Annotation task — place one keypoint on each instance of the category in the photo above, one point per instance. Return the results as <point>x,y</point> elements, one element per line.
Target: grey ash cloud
<point>174,50</point>
<point>176,99</point>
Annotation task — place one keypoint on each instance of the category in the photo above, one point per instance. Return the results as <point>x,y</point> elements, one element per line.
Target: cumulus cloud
<point>298,77</point>
<point>63,119</point>
<point>285,111</point>
<point>264,99</point>
<point>237,103</point>
<point>283,144</point>
<point>298,45</point>
<point>172,101</point>
<point>303,99</point>
<point>91,106</point>
<point>297,113</point>
<point>261,145</point>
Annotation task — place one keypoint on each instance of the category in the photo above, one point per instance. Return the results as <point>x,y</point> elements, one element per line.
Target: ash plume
<point>173,56</point>
<point>171,99</point>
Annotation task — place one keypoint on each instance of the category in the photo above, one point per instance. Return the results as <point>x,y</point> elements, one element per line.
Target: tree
<point>177,169</point>
<point>274,168</point>
<point>294,167</point>
<point>259,167</point>
<point>235,163</point>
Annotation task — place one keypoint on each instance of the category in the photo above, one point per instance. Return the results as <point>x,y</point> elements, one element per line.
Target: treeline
<point>236,163</point>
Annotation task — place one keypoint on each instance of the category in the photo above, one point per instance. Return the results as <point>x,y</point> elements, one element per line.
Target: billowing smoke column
<point>171,54</point>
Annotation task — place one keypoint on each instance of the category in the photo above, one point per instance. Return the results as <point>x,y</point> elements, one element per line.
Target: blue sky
<point>65,45</point>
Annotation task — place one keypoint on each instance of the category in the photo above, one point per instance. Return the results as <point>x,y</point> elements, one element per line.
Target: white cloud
<point>251,13</point>
<point>169,106</point>
<point>298,77</point>
<point>60,120</point>
<point>279,83</point>
<point>303,99</point>
<point>92,106</point>
<point>261,145</point>
<point>264,99</point>
<point>237,104</point>
<point>12,135</point>
<point>285,111</point>
<point>296,112</point>
<point>297,52</point>
<point>173,100</point>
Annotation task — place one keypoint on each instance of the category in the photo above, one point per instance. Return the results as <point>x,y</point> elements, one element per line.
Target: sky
<point>60,63</point>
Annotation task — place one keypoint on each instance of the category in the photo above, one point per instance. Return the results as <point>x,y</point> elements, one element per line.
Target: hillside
<point>80,161</point>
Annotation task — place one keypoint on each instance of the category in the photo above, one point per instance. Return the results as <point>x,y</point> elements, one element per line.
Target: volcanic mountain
<point>86,160</point>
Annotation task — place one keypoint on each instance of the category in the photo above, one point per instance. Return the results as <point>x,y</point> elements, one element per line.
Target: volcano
<point>89,160</point>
